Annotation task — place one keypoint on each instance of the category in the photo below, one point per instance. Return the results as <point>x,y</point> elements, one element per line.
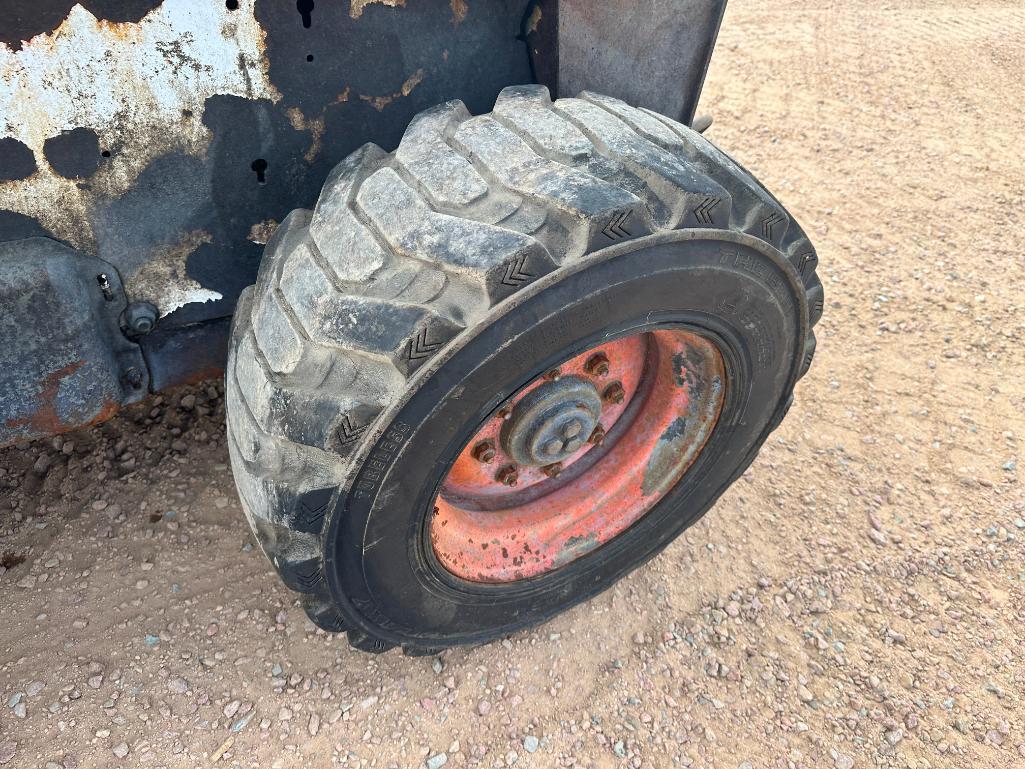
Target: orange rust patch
<point>459,11</point>
<point>380,102</point>
<point>195,377</point>
<point>534,20</point>
<point>261,232</point>
<point>45,420</point>
<point>342,97</point>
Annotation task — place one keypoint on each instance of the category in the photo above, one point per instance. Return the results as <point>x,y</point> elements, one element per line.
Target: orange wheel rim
<point>577,456</point>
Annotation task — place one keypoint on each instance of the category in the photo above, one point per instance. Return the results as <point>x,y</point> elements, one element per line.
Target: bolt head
<point>597,437</point>
<point>552,470</point>
<point>140,317</point>
<point>507,476</point>
<point>614,393</point>
<point>484,452</point>
<point>597,364</point>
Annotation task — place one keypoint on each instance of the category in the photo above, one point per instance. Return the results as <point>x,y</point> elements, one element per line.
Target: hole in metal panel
<point>259,166</point>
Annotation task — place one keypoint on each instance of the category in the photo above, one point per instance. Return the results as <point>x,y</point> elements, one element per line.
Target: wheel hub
<point>551,422</point>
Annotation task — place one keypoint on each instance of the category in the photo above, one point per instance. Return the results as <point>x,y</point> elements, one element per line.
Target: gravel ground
<point>856,600</point>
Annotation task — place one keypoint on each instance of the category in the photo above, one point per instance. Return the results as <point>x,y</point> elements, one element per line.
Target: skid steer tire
<point>428,285</point>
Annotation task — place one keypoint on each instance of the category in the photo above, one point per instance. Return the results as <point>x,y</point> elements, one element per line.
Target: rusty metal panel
<point>169,138</point>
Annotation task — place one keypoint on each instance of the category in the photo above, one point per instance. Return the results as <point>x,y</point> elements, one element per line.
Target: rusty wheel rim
<point>577,456</point>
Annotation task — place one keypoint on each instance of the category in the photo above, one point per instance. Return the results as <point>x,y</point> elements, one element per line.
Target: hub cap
<point>577,456</point>
<point>551,422</point>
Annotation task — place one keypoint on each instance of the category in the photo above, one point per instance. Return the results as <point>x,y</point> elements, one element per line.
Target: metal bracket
<point>64,361</point>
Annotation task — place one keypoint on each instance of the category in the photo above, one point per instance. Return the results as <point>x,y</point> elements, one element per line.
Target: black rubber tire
<point>429,284</point>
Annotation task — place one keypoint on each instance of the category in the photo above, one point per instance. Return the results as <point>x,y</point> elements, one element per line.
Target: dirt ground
<point>856,600</point>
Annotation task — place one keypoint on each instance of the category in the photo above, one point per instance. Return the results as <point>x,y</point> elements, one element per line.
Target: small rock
<point>843,761</point>
<point>120,750</point>
<point>232,708</point>
<point>877,536</point>
<point>804,694</point>
<point>285,714</point>
<point>7,751</point>
<point>188,402</point>
<point>530,743</point>
<point>34,687</point>
<point>239,725</point>
<point>20,710</point>
<point>177,686</point>
<point>483,707</point>
<point>437,761</point>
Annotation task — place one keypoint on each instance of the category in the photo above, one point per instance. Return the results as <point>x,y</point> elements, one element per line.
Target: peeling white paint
<point>129,83</point>
<point>164,281</point>
<point>178,296</point>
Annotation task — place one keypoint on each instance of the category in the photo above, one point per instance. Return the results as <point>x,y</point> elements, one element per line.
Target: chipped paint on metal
<point>535,19</point>
<point>356,7</point>
<point>163,275</point>
<point>261,232</point>
<point>141,88</point>
<point>459,11</point>
<point>315,127</point>
<point>380,102</point>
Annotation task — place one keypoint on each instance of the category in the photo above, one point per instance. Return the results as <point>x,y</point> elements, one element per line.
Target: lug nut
<point>507,476</point>
<point>505,412</point>
<point>484,452</point>
<point>614,393</point>
<point>597,364</point>
<point>553,375</point>
<point>597,435</point>
<point>552,470</point>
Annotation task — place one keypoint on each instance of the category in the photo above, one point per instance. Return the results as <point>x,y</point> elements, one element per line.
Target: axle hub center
<point>551,422</point>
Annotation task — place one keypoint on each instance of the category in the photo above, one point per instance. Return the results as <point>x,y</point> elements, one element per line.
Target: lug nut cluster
<point>597,365</point>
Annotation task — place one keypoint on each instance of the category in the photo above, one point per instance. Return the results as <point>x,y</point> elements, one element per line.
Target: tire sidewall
<point>740,292</point>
